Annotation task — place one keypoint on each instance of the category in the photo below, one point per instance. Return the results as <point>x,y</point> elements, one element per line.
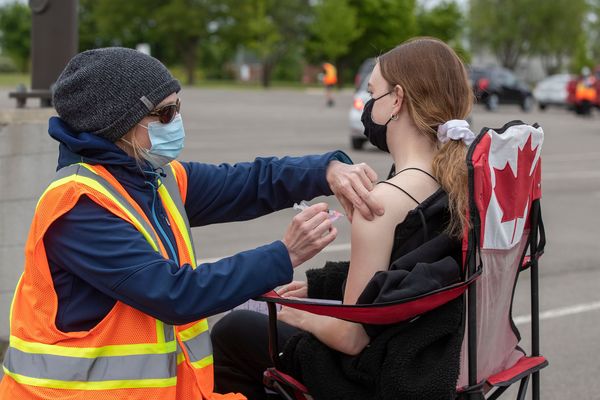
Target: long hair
<point>436,90</point>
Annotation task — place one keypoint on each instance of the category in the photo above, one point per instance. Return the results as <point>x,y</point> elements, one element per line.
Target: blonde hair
<point>138,152</point>
<point>128,141</point>
<point>436,90</point>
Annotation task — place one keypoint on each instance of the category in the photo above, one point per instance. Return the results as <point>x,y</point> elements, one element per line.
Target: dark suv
<point>493,86</point>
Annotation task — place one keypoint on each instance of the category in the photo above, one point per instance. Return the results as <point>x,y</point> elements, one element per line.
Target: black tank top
<point>428,219</point>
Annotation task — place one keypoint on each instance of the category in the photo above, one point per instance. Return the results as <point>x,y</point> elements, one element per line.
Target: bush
<point>7,65</point>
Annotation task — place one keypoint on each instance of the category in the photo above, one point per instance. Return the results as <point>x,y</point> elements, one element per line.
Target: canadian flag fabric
<point>508,179</point>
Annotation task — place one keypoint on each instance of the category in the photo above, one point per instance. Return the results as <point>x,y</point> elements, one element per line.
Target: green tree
<point>515,28</point>
<point>558,23</point>
<point>444,21</point>
<point>100,25</point>
<point>592,28</point>
<point>268,28</point>
<point>15,33</point>
<point>581,55</point>
<point>384,24</point>
<point>183,24</point>
<point>332,30</point>
<point>173,28</point>
<point>506,27</point>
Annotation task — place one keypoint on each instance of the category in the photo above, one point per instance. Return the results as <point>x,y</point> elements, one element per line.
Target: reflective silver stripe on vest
<point>169,332</point>
<point>46,366</point>
<point>171,185</point>
<point>199,347</point>
<point>77,169</point>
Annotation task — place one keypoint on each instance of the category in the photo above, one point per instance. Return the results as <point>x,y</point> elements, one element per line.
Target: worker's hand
<point>309,232</point>
<point>352,185</point>
<point>297,289</point>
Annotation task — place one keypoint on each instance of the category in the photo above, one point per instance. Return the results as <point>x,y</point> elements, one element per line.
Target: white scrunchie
<point>455,129</point>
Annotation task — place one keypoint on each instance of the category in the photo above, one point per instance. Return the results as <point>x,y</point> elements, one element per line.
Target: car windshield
<point>365,83</point>
<point>563,78</point>
<point>475,74</point>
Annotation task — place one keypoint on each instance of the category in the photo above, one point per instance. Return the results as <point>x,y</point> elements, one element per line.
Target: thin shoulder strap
<point>418,169</point>
<point>399,188</point>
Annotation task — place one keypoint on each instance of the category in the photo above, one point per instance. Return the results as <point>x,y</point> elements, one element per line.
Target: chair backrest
<point>504,181</point>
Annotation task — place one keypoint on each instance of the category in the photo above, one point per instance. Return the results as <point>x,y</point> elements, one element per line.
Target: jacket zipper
<point>160,228</point>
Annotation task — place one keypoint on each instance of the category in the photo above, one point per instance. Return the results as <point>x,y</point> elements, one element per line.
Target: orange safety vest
<point>129,354</point>
<point>330,77</point>
<point>586,90</point>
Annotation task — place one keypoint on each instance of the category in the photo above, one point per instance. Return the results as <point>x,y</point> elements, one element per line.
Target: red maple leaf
<point>512,190</point>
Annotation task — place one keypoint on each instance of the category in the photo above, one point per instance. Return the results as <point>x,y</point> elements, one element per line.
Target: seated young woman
<point>420,97</point>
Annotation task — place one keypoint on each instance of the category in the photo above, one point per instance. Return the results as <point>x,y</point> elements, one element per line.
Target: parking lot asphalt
<point>238,125</point>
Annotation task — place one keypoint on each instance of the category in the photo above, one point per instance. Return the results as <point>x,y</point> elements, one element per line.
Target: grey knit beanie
<point>108,91</point>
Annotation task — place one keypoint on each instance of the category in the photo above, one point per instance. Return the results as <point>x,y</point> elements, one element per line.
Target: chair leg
<point>535,386</point>
<point>281,391</point>
<point>523,388</point>
<point>497,393</point>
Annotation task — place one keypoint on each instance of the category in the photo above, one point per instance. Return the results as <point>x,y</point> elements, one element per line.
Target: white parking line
<point>571,157</point>
<point>560,312</point>
<point>570,175</point>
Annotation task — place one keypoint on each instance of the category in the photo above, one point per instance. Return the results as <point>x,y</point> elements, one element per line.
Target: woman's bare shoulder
<point>395,203</point>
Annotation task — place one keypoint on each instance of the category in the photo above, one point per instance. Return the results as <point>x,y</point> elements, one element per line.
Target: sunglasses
<point>167,112</point>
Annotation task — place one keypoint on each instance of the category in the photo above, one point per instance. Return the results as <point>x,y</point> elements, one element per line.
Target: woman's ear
<point>399,92</point>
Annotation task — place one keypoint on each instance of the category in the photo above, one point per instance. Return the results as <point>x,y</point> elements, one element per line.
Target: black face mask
<point>377,134</point>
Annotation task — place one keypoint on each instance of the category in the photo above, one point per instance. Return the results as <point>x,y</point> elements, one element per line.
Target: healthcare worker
<point>112,303</point>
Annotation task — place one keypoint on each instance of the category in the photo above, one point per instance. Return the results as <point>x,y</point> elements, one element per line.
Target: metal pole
<point>472,336</point>
<point>472,316</point>
<point>535,304</point>
<point>273,334</point>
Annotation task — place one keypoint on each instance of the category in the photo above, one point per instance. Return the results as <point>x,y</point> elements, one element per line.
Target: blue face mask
<point>167,141</point>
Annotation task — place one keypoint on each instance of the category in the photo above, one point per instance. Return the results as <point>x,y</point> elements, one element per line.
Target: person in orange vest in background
<point>329,80</point>
<point>112,303</point>
<point>586,95</point>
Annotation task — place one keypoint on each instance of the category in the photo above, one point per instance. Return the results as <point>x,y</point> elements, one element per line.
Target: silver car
<point>552,91</point>
<point>361,96</point>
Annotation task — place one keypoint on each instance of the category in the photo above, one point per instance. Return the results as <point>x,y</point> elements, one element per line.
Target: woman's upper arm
<point>371,245</point>
<point>372,241</point>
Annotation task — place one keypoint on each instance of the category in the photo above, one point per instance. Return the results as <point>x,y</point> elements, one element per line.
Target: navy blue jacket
<point>97,258</point>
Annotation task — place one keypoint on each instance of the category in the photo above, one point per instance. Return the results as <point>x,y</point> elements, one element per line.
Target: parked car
<point>553,91</point>
<point>364,71</point>
<point>583,92</point>
<point>361,96</point>
<point>493,86</point>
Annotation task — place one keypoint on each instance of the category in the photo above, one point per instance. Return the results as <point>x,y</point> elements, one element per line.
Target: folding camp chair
<point>506,237</point>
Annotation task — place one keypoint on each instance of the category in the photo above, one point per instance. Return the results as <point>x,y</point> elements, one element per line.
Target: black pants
<point>241,352</point>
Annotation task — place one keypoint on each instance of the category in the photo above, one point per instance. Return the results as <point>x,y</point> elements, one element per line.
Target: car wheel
<point>527,104</point>
<point>584,108</point>
<point>542,106</point>
<point>492,102</point>
<point>357,143</point>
